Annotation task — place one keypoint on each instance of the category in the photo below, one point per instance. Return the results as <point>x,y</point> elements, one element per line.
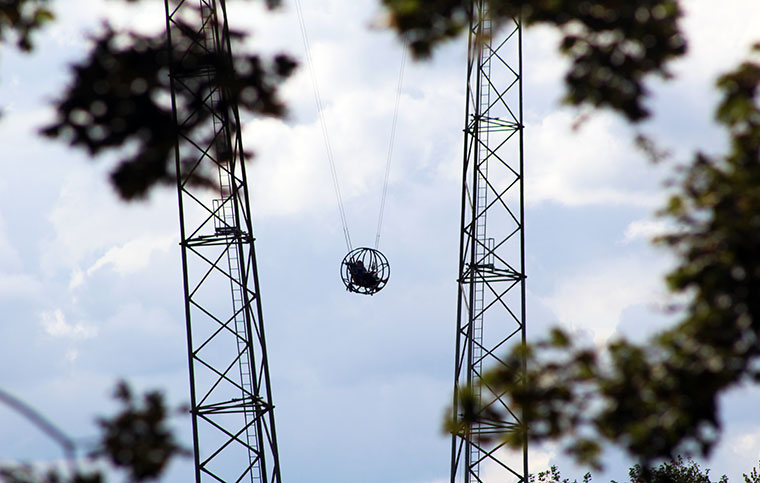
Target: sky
<point>91,287</point>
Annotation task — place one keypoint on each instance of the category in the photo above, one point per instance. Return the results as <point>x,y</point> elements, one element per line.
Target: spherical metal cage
<point>365,271</point>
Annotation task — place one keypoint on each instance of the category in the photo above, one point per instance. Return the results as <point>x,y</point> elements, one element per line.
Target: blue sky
<point>91,287</point>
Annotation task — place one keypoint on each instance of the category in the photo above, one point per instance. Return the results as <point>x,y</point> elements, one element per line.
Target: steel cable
<point>325,135</point>
<point>390,147</point>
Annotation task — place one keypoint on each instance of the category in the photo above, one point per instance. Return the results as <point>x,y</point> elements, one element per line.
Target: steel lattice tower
<point>234,434</point>
<point>491,307</point>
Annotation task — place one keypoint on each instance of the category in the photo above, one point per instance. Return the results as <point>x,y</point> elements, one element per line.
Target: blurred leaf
<point>138,438</point>
<point>659,400</point>
<point>117,101</point>
<point>613,45</point>
<point>21,19</point>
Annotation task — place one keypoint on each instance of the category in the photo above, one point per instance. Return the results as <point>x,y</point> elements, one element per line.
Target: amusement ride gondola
<point>364,270</point>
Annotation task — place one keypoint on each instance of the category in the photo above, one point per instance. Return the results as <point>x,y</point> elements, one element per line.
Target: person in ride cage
<point>361,276</point>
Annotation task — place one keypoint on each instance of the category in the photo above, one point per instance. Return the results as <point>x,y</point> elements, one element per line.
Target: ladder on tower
<point>233,424</point>
<point>491,306</point>
<point>482,243</point>
<point>226,223</point>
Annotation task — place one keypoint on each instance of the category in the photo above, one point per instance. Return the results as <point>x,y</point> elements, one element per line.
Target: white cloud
<point>294,153</point>
<point>9,257</point>
<point>493,472</point>
<point>358,94</point>
<point>80,227</point>
<point>595,164</point>
<point>301,169</point>
<point>77,278</point>
<point>71,355</point>
<point>132,256</point>
<point>595,297</point>
<point>87,219</point>
<point>55,324</point>
<point>714,47</point>
<point>544,69</point>
<point>541,458</point>
<point>18,285</point>
<point>746,447</point>
<point>80,15</point>
<point>739,450</point>
<point>645,230</point>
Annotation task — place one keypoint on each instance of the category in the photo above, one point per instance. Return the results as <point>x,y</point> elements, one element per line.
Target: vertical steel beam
<point>234,437</point>
<point>491,306</point>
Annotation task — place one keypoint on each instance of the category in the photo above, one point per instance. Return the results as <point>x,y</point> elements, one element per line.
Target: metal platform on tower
<point>491,307</point>
<point>233,422</point>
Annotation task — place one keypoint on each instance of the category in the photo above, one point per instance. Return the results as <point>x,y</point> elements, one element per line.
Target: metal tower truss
<point>231,401</point>
<point>491,308</point>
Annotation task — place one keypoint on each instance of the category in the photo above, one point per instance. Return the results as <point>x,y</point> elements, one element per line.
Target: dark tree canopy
<point>120,98</point>
<point>614,45</point>
<point>19,19</point>
<point>136,440</point>
<point>657,400</point>
<point>660,399</point>
<point>678,470</point>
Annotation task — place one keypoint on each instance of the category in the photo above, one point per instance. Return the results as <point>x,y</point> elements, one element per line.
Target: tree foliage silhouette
<point>613,45</point>
<point>659,399</point>
<point>678,470</point>
<point>656,400</point>
<point>118,97</point>
<point>137,441</point>
<point>20,19</point>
